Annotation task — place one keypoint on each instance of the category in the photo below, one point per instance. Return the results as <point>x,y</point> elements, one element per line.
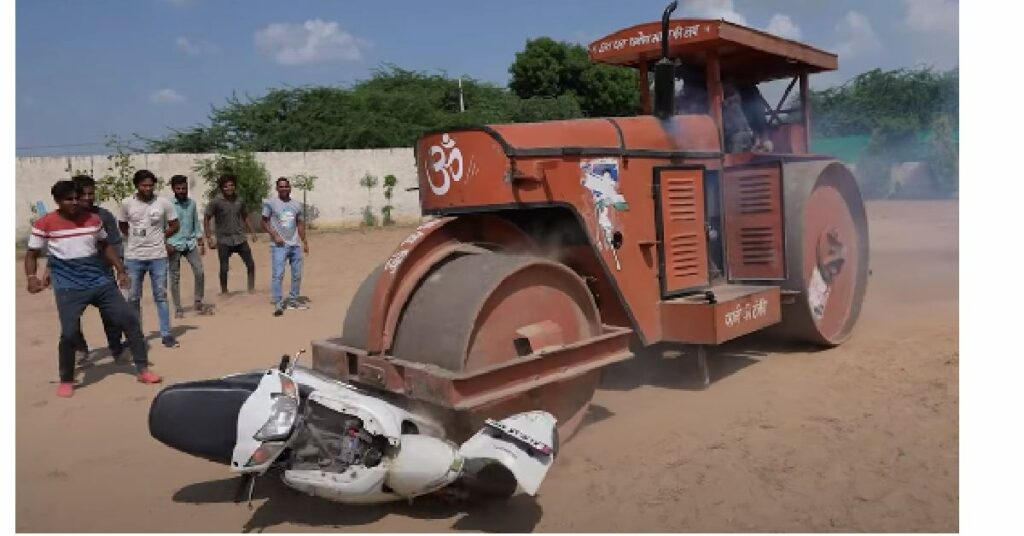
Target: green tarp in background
<point>849,149</point>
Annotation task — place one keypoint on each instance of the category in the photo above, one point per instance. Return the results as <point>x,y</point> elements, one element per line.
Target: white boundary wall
<point>337,194</point>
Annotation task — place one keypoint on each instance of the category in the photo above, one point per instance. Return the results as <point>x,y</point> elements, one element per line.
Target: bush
<point>369,182</point>
<point>305,183</point>
<point>253,183</point>
<point>116,185</point>
<point>944,157</point>
<point>369,218</point>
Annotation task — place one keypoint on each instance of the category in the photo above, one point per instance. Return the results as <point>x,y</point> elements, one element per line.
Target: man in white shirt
<point>147,221</point>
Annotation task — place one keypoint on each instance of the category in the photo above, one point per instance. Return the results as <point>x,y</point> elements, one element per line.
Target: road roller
<point>551,248</point>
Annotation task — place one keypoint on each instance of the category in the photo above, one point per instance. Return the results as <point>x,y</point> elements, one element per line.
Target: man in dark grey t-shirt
<point>229,212</point>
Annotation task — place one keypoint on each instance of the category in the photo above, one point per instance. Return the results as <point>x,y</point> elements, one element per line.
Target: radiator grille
<point>757,245</point>
<point>684,249</point>
<point>682,199</point>
<point>754,242</point>
<point>755,194</point>
<point>683,258</point>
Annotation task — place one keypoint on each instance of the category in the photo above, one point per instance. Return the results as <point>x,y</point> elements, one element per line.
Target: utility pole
<point>462,105</point>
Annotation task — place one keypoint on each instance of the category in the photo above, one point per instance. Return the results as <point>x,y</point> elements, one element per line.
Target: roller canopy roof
<point>745,54</point>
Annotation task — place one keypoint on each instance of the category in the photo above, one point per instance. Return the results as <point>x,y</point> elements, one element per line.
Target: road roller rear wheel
<point>470,313</point>
<point>827,252</point>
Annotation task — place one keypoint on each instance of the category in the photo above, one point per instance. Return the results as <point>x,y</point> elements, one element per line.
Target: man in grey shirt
<point>229,211</point>
<point>284,222</point>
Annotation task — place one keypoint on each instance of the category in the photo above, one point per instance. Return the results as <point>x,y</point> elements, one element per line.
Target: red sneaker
<point>65,390</point>
<point>148,376</point>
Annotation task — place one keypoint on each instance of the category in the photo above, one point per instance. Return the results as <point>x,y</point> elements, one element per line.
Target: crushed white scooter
<point>334,441</point>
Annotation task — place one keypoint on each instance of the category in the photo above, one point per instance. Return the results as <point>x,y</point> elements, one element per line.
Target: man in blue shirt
<point>188,243</point>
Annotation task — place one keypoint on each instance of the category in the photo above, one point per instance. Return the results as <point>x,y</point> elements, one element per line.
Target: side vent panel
<point>683,251</point>
<point>752,198</point>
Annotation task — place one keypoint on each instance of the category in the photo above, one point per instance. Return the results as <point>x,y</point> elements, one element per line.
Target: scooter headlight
<point>282,418</point>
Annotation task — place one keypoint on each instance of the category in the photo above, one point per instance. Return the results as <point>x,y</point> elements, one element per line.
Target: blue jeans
<point>278,256</point>
<point>107,298</point>
<point>157,269</point>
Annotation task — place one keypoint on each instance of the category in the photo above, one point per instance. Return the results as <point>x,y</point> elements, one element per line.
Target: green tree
<point>304,183</point>
<point>551,80</point>
<point>369,182</point>
<point>253,184</point>
<point>390,109</point>
<point>911,98</point>
<point>116,185</point>
<point>550,69</point>
<point>390,181</point>
<point>944,156</point>
<point>610,91</point>
<point>900,109</point>
<point>547,68</point>
<point>547,108</point>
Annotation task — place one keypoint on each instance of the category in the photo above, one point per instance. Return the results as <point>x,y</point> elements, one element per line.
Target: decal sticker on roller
<point>601,177</point>
<point>817,294</point>
<point>746,312</point>
<point>393,262</point>
<point>445,165</point>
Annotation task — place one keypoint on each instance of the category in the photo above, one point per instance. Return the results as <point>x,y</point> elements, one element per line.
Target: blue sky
<point>86,69</point>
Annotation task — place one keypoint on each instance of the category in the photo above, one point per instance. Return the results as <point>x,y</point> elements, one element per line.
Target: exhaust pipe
<point>664,72</point>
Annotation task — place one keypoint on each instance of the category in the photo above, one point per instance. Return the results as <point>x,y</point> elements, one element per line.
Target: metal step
<point>720,313</point>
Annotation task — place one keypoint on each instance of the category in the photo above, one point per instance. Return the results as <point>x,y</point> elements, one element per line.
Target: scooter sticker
<point>601,177</point>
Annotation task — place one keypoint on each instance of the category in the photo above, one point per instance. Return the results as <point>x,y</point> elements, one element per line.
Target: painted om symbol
<point>446,159</point>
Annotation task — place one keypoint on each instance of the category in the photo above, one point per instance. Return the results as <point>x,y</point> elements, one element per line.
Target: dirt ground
<point>863,437</point>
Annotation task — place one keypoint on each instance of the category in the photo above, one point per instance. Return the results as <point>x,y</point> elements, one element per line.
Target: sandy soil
<point>860,438</point>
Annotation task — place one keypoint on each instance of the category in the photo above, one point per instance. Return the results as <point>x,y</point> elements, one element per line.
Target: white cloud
<point>315,41</point>
<point>857,36</point>
<point>933,38</point>
<point>195,48</point>
<point>783,26</point>
<point>713,9</point>
<point>187,46</point>
<point>932,15</point>
<point>166,96</point>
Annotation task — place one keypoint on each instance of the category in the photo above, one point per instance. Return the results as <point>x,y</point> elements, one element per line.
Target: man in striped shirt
<point>71,238</point>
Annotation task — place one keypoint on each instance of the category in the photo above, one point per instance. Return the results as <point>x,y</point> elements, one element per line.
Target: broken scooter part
<point>331,440</point>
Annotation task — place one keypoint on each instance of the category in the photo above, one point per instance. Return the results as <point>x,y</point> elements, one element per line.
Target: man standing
<point>85,186</point>
<point>284,221</point>
<point>71,238</point>
<point>147,221</point>
<point>229,211</point>
<point>188,243</point>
